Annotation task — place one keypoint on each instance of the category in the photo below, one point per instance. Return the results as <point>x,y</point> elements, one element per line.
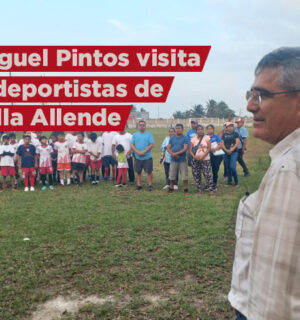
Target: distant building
<point>139,115</point>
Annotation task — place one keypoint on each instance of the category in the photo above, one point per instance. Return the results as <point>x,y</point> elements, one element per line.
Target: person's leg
<point>124,175</point>
<point>68,173</point>
<point>172,175</point>
<point>43,179</point>
<point>185,174</point>
<point>12,182</point>
<point>196,169</point>
<point>227,158</point>
<point>4,182</point>
<point>130,169</point>
<point>61,177</point>
<point>119,176</point>
<point>26,178</point>
<point>32,178</point>
<point>213,161</point>
<point>81,173</point>
<point>167,169</point>
<point>233,161</point>
<point>114,167</point>
<point>149,169</point>
<point>217,167</point>
<point>207,172</point>
<point>50,176</point>
<point>241,161</point>
<point>225,167</point>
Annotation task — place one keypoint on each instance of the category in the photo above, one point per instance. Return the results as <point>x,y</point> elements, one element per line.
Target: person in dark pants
<point>243,135</point>
<point>230,142</point>
<point>166,159</point>
<point>216,152</point>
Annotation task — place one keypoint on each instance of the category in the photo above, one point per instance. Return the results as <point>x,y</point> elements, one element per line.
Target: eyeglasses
<point>258,95</point>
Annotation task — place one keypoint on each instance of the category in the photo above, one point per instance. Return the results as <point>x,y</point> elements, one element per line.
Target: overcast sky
<point>240,33</point>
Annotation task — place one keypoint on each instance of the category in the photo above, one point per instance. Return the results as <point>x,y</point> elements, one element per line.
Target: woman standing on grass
<point>216,152</point>
<point>199,150</point>
<point>230,141</point>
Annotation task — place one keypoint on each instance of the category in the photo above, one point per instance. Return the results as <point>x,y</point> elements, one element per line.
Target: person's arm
<point>147,149</point>
<point>164,145</point>
<point>113,149</point>
<point>191,149</point>
<point>36,159</point>
<point>208,149</point>
<point>136,150</point>
<point>244,145</point>
<point>185,147</point>
<point>224,148</point>
<point>237,141</point>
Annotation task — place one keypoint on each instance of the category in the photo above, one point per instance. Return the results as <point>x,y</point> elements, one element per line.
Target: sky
<point>240,33</point>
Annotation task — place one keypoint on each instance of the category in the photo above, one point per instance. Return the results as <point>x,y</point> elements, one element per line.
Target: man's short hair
<point>142,121</point>
<point>27,136</point>
<point>179,125</point>
<point>287,60</point>
<point>5,137</point>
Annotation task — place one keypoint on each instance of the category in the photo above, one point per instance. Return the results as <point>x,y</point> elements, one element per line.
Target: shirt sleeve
<point>186,140</point>
<point>133,139</point>
<point>244,133</point>
<point>19,152</point>
<point>163,145</point>
<point>114,140</point>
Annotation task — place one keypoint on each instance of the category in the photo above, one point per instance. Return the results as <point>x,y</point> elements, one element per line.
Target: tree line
<point>212,109</point>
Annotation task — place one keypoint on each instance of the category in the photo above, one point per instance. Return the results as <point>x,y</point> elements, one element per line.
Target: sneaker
<point>31,188</point>
<point>109,178</point>
<point>246,175</point>
<point>175,187</point>
<point>215,188</point>
<point>228,184</point>
<point>138,188</point>
<point>166,187</point>
<point>94,183</point>
<point>237,185</point>
<point>118,185</point>
<point>170,190</point>
<point>150,188</point>
<point>103,178</point>
<point>80,184</point>
<point>124,184</point>
<point>44,188</point>
<point>206,188</point>
<point>26,189</point>
<point>51,187</point>
<point>186,191</point>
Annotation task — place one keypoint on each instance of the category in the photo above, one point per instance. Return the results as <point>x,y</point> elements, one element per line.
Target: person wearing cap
<point>266,271</point>
<point>230,142</point>
<point>191,133</point>
<point>243,135</point>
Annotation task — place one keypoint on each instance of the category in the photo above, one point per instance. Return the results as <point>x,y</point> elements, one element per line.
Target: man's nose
<point>252,106</point>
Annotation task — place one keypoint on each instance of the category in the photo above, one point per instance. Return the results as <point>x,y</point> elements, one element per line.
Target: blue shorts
<point>108,160</point>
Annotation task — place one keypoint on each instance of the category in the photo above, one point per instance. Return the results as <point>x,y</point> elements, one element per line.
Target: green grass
<point>129,244</point>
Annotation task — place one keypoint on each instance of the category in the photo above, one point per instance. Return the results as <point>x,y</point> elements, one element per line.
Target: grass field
<point>130,254</point>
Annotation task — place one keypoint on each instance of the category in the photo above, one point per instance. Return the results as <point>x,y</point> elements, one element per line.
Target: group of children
<point>59,156</point>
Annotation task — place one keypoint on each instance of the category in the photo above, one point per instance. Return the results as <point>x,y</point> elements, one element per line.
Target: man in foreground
<point>266,271</point>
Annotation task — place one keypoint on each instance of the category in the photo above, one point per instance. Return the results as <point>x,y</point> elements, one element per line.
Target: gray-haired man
<point>266,271</point>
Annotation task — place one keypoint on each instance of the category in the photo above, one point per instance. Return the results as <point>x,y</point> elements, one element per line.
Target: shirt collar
<point>286,144</point>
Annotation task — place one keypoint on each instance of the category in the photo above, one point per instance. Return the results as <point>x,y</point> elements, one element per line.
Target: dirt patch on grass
<point>55,308</point>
